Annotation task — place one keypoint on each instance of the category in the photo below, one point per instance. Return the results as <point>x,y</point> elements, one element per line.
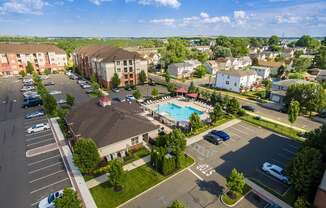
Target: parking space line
<point>29,122</point>
<point>37,132</point>
<point>34,171</point>
<point>234,129</point>
<point>51,174</point>
<point>270,177</point>
<point>42,141</point>
<point>39,161</point>
<point>289,151</point>
<point>294,146</point>
<point>283,156</point>
<point>195,174</point>
<point>38,137</point>
<point>52,184</point>
<point>278,162</point>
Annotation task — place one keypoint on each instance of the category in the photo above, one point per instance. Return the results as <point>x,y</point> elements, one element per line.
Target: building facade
<point>14,57</point>
<point>184,69</point>
<point>104,61</point>
<point>263,72</point>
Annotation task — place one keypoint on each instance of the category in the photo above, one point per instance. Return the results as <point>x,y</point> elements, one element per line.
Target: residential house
<point>15,56</point>
<point>184,69</point>
<point>212,66</point>
<point>321,77</point>
<point>233,63</point>
<point>263,72</point>
<point>115,129</point>
<point>236,80</point>
<point>279,89</point>
<point>104,61</point>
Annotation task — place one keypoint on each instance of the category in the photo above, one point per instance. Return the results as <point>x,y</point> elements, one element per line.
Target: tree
<point>275,48</point>
<point>200,71</point>
<point>136,94</point>
<point>305,170</point>
<point>217,113</point>
<point>85,155</point>
<point>267,84</point>
<point>116,174</point>
<point>195,122</point>
<point>191,88</point>
<point>316,139</point>
<point>233,106</point>
<point>174,51</point>
<point>320,58</point>
<point>239,47</point>
<point>115,81</point>
<point>220,51</point>
<point>49,103</point>
<point>171,87</point>
<point>300,203</point>
<point>293,111</point>
<point>69,200</point>
<point>176,142</point>
<point>223,41</point>
<point>22,73</point>
<point>70,99</point>
<point>167,77</point>
<point>301,64</point>
<point>177,204</point>
<point>47,71</point>
<point>142,77</point>
<point>308,42</point>
<point>29,68</point>
<point>274,40</point>
<point>155,92</point>
<point>235,182</point>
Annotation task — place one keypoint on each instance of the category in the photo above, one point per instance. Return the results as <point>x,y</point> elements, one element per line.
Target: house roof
<point>18,48</point>
<point>107,53</point>
<point>289,82</point>
<point>108,125</point>
<point>238,73</point>
<point>181,65</point>
<point>322,72</point>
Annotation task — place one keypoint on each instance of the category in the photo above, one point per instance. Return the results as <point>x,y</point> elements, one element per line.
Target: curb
<point>237,202</point>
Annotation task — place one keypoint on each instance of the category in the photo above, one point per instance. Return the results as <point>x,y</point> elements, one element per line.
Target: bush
<point>85,155</point>
<point>168,165</point>
<point>177,204</point>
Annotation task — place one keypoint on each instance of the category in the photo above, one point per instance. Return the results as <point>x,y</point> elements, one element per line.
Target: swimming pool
<point>178,113</point>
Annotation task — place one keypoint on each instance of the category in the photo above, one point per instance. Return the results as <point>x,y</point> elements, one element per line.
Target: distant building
<point>184,69</point>
<point>236,80</point>
<point>212,66</point>
<point>233,63</point>
<point>263,72</point>
<point>14,57</point>
<point>103,61</point>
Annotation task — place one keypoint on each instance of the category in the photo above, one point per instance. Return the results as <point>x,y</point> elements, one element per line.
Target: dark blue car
<point>224,136</point>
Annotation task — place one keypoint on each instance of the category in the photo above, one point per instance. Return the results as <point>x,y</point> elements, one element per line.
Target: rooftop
<point>238,73</point>
<point>108,125</point>
<point>29,48</point>
<point>289,82</point>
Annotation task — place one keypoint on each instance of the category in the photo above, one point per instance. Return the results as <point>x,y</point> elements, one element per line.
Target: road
<point>301,122</point>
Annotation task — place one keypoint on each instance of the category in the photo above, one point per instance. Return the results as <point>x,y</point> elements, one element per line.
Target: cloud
<point>167,3</point>
<point>287,18</point>
<point>166,21</point>
<point>23,6</point>
<point>98,2</point>
<point>240,17</point>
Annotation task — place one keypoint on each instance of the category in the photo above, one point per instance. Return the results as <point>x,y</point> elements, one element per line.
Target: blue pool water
<point>176,112</point>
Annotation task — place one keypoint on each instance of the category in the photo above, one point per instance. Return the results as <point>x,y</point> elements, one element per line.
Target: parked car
<point>27,88</point>
<point>119,99</point>
<point>55,92</point>
<point>73,76</point>
<point>248,108</point>
<point>322,114</point>
<point>115,90</point>
<point>221,134</point>
<point>275,171</point>
<point>213,138</point>
<point>61,101</point>
<point>48,202</point>
<point>35,114</point>
<point>85,86</point>
<point>38,127</point>
<point>48,83</point>
<point>81,82</point>
<point>30,93</point>
<point>31,102</point>
<point>130,97</point>
<point>89,90</point>
<point>28,84</point>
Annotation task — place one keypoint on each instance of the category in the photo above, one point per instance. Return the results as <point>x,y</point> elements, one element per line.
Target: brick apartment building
<point>104,61</point>
<point>14,57</point>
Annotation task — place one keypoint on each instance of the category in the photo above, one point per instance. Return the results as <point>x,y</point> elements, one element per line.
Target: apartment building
<point>104,61</point>
<point>14,57</point>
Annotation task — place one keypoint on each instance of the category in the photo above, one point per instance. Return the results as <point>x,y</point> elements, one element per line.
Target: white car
<point>27,88</point>
<point>275,171</point>
<point>55,92</point>
<point>38,127</point>
<point>30,94</point>
<point>61,101</point>
<point>48,202</point>
<point>85,86</point>
<point>81,82</point>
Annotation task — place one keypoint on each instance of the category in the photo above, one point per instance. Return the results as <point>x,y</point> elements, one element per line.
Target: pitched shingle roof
<point>107,53</point>
<point>29,48</point>
<point>238,73</point>
<point>108,125</point>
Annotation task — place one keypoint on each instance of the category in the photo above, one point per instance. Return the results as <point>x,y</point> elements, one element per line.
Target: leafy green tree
<point>296,75</point>
<point>217,113</point>
<point>115,81</point>
<point>70,99</point>
<point>316,139</point>
<point>155,92</point>
<point>308,42</point>
<point>223,41</point>
<point>274,40</point>
<point>22,73</point>
<point>200,71</point>
<point>176,142</point>
<point>239,47</point>
<point>235,182</point>
<point>167,77</point>
<point>68,200</point>
<point>171,87</point>
<point>293,111</point>
<point>305,171</point>
<point>216,98</point>
<point>116,174</point>
<point>49,103</point>
<point>268,85</point>
<point>298,53</point>
<point>142,77</point>
<point>320,58</point>
<point>233,106</point>
<point>300,203</point>
<point>136,94</point>
<point>174,51</point>
<point>198,55</point>
<point>85,155</point>
<point>29,68</point>
<point>276,48</point>
<point>195,122</point>
<point>301,64</point>
<point>177,204</point>
<point>191,88</point>
<point>220,51</point>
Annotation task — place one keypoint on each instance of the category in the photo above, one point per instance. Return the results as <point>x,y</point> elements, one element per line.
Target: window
<point>118,62</point>
<point>126,76</point>
<point>227,82</point>
<point>126,83</point>
<point>235,84</point>
<point>118,70</point>
<point>134,141</point>
<point>125,63</point>
<point>130,69</point>
<point>125,69</point>
<point>130,62</point>
<point>131,76</point>
<point>228,76</point>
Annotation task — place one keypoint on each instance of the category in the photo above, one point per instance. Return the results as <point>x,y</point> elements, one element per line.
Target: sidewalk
<point>265,194</point>
<point>74,174</point>
<point>104,178</point>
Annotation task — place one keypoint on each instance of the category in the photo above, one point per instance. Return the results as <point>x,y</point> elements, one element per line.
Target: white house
<point>212,66</point>
<point>263,72</point>
<point>182,70</point>
<point>235,80</point>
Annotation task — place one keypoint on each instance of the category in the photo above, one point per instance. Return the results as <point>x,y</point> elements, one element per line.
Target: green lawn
<point>227,200</point>
<point>286,131</point>
<point>143,152</point>
<point>136,181</point>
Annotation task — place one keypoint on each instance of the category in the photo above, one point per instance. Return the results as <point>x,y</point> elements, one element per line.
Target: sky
<point>160,18</point>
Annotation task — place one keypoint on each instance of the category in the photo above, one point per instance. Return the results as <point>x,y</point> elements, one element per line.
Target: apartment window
<point>130,62</point>
<point>228,76</point>
<point>126,76</point>
<point>126,83</point>
<point>235,84</point>
<point>131,76</point>
<point>118,62</point>
<point>227,82</point>
<point>131,82</point>
<point>118,70</point>
<point>134,141</point>
<point>130,69</point>
<point>125,69</point>
<point>125,62</point>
